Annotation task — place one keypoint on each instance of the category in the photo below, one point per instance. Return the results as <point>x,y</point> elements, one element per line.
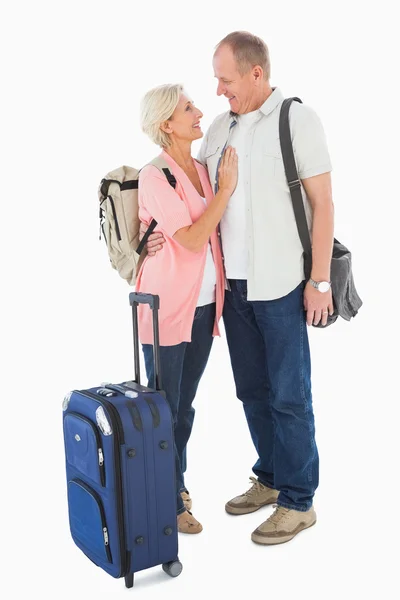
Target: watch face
<point>323,286</point>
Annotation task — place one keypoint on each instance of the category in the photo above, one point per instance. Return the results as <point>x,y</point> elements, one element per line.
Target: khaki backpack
<point>119,219</point>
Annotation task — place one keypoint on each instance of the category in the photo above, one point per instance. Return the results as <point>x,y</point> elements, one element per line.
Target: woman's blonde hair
<point>156,107</point>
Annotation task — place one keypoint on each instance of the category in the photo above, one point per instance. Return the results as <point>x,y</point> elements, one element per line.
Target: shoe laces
<point>255,488</point>
<point>279,513</point>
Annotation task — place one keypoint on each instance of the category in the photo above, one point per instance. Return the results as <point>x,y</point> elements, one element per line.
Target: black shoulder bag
<point>346,301</point>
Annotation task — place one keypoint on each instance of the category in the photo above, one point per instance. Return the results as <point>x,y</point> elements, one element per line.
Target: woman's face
<point>185,122</point>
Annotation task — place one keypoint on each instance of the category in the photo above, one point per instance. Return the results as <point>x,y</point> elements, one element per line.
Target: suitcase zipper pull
<point>101,457</point>
<point>105,534</point>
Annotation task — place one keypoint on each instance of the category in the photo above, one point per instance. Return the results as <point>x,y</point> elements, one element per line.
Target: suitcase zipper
<point>98,442</point>
<point>111,409</point>
<point>97,499</point>
<point>119,439</point>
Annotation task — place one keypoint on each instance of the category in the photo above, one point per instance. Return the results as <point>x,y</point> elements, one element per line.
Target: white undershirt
<point>207,290</point>
<point>233,222</point>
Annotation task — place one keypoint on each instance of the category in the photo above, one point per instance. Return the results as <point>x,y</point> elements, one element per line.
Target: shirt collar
<point>272,101</point>
<point>269,105</point>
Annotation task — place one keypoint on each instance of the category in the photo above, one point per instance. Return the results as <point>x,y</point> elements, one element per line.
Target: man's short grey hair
<point>249,51</point>
<point>156,107</point>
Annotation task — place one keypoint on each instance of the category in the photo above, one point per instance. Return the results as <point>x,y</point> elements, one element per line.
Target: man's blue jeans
<point>270,356</point>
<point>181,369</point>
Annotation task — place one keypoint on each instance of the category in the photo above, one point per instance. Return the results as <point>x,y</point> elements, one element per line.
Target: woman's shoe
<point>187,501</point>
<point>188,524</point>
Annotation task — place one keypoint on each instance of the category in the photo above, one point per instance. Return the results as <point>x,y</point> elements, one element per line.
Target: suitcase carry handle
<point>140,298</point>
<point>136,298</point>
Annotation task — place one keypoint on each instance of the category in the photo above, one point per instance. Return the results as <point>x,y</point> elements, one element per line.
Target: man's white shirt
<point>258,231</point>
<point>233,231</point>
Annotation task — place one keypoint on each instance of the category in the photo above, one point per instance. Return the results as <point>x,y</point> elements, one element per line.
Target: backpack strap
<point>163,166</point>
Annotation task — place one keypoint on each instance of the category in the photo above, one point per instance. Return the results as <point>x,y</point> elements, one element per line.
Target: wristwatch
<point>321,286</point>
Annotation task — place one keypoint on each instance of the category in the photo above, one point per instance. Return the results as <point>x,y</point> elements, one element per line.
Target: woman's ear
<point>166,127</point>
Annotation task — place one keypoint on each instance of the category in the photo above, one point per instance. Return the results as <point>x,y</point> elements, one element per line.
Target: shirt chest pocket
<point>271,162</point>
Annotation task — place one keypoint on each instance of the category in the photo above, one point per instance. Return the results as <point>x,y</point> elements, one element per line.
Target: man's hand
<point>317,304</point>
<point>155,241</point>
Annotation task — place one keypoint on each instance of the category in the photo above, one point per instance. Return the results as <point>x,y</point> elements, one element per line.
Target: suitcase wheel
<point>173,568</point>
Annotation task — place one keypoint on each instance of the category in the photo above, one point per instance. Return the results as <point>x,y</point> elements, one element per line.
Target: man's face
<point>239,89</point>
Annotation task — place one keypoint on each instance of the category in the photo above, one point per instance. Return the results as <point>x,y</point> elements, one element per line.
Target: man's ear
<point>257,74</point>
<point>166,127</point>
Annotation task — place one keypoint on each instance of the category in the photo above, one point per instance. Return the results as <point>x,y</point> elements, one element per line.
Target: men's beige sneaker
<point>188,524</point>
<point>187,501</point>
<point>283,525</point>
<point>257,496</point>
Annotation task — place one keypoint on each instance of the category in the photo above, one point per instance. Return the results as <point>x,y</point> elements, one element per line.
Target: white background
<point>74,74</point>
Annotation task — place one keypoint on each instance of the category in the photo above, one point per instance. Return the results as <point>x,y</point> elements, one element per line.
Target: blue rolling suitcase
<point>121,470</point>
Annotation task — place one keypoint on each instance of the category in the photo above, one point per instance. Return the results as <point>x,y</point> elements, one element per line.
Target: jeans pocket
<point>241,286</point>
<point>199,312</point>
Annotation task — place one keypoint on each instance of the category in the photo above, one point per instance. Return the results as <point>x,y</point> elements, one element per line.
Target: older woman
<point>188,275</point>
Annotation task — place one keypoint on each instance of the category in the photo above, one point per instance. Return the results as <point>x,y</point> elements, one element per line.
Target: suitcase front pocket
<point>87,519</point>
<point>83,447</point>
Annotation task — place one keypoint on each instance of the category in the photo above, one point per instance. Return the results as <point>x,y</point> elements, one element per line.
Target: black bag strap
<point>153,224</point>
<point>105,184</point>
<point>143,241</point>
<point>131,184</point>
<point>170,177</point>
<point>292,176</point>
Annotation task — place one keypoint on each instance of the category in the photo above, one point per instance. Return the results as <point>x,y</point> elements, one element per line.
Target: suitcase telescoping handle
<point>153,301</point>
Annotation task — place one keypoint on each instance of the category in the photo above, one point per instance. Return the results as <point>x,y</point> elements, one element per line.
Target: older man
<point>268,302</point>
